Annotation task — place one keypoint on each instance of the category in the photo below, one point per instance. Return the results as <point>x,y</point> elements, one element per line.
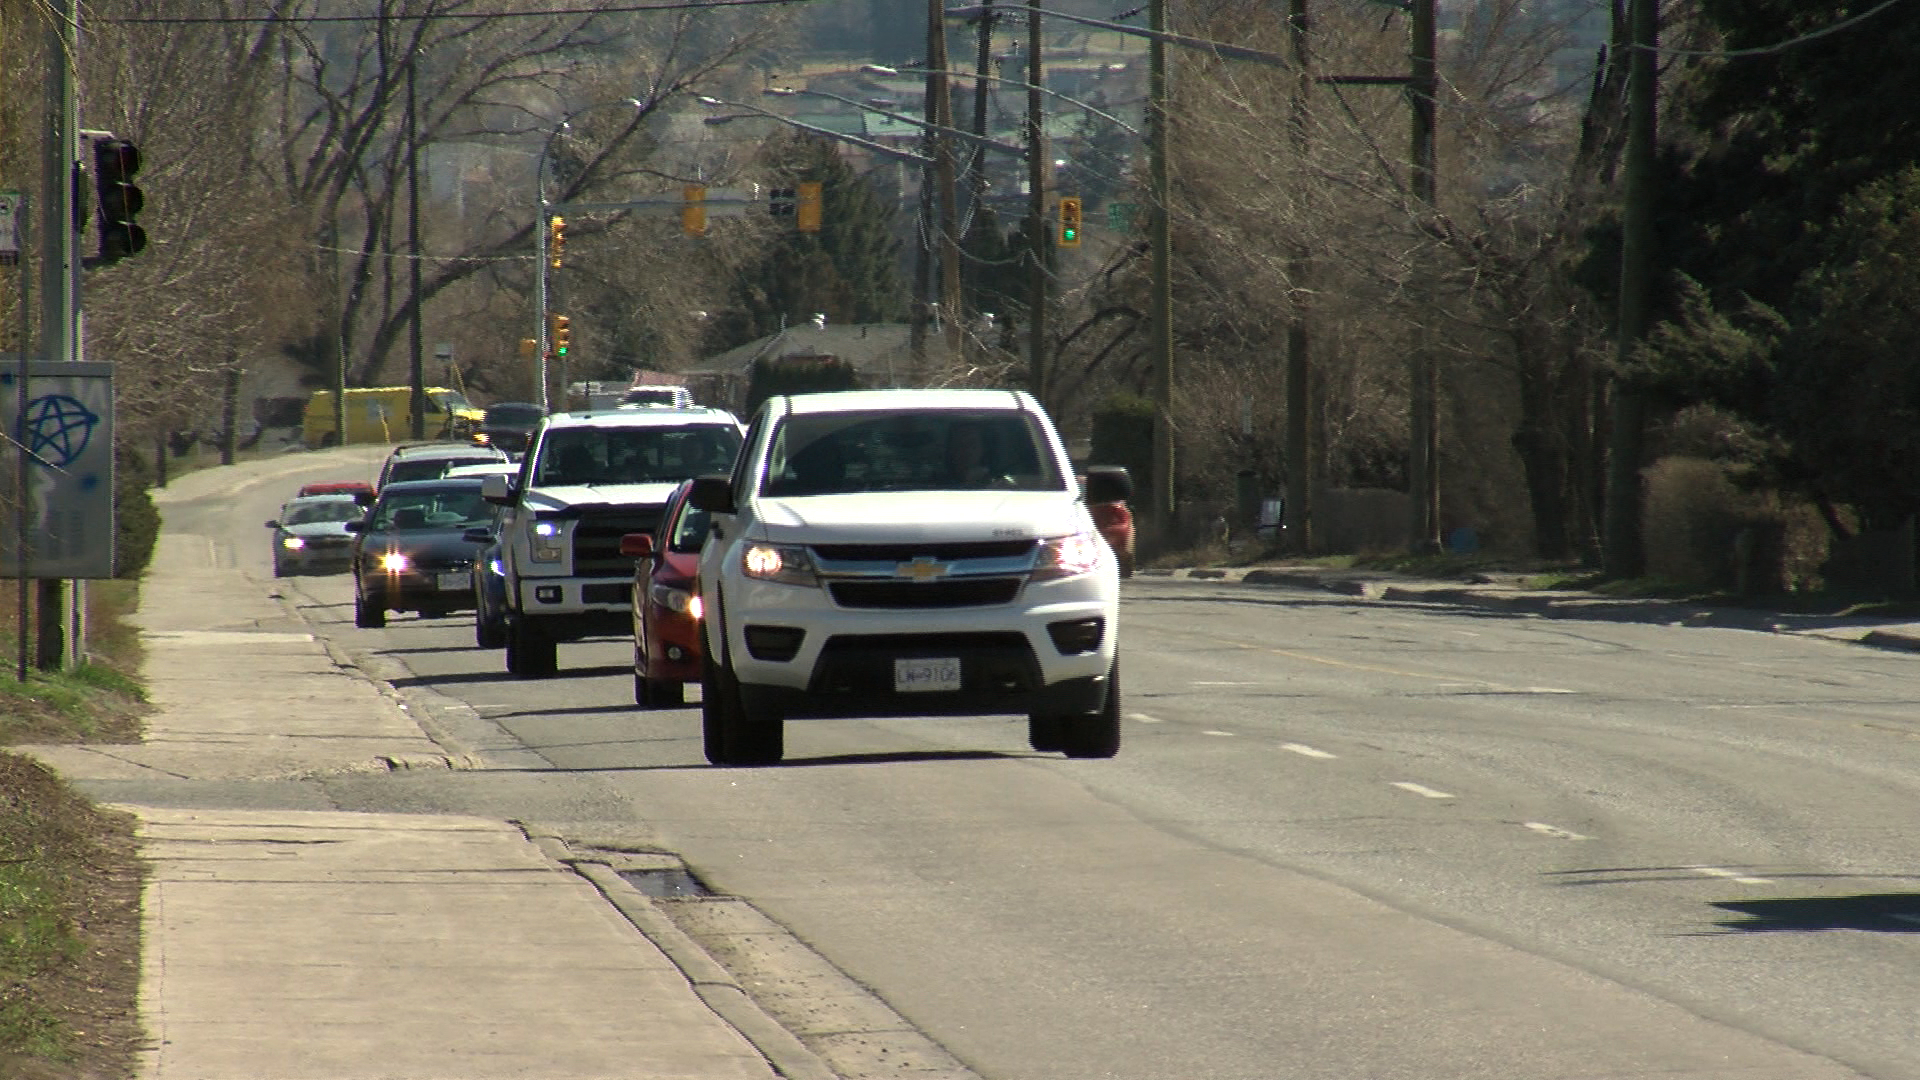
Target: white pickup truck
<point>907,553</point>
<point>588,479</point>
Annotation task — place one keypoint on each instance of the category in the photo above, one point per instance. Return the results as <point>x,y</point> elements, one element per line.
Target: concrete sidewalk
<point>345,946</point>
<point>1508,592</point>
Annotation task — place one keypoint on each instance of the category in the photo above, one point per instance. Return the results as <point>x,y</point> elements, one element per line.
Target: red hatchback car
<point>666,608</point>
<point>1114,521</point>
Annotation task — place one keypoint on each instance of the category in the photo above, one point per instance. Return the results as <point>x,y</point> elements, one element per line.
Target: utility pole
<point>1037,247</point>
<point>1621,554</point>
<point>1300,464</point>
<point>940,111</point>
<point>416,365</point>
<point>56,646</point>
<point>1160,311</point>
<point>1423,457</point>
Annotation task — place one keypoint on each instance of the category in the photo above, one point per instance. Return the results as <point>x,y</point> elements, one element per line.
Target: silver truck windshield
<point>932,450</point>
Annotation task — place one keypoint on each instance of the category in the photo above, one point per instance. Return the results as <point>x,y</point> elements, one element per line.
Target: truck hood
<point>550,499</point>
<point>940,516</point>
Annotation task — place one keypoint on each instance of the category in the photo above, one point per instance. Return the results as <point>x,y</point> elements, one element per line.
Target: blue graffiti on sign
<point>57,428</point>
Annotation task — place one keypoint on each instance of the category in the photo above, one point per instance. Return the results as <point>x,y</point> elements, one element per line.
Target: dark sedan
<point>412,553</point>
<point>507,425</point>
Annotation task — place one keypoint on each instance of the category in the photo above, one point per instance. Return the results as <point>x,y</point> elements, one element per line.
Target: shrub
<point>136,519</point>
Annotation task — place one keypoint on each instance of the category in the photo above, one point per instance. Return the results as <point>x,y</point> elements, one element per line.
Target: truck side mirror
<point>714,494</point>
<point>497,490</point>
<point>1108,483</point>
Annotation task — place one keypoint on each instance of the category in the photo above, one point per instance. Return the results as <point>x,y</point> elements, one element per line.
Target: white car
<point>907,553</point>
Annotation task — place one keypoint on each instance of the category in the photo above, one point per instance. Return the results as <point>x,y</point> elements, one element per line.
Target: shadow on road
<point>1884,913</point>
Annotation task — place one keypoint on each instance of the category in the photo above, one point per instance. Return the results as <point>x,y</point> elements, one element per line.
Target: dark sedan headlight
<point>395,562</point>
<point>292,543</point>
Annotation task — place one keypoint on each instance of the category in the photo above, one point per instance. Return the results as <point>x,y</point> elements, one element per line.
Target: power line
<point>1783,46</point>
<point>622,9</point>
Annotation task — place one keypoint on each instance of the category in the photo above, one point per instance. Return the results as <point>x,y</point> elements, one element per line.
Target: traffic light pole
<point>58,637</point>
<point>1160,314</point>
<point>1037,213</point>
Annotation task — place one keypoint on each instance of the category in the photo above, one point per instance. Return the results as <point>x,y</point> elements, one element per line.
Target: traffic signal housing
<point>556,241</point>
<point>561,335</point>
<point>807,209</point>
<point>1070,221</point>
<point>693,210</point>
<point>115,162</point>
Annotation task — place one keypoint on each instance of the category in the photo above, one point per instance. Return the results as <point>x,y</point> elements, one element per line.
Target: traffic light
<point>693,212</point>
<point>1070,221</point>
<point>562,334</point>
<point>807,211</point>
<point>556,241</point>
<point>115,161</point>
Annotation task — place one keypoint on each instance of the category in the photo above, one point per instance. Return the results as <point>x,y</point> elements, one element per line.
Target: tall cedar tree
<point>1780,212</point>
<point>848,271</point>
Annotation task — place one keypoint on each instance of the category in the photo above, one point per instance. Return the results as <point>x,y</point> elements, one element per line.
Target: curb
<point>1903,638</point>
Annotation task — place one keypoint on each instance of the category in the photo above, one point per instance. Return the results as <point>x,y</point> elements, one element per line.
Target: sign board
<point>66,439</point>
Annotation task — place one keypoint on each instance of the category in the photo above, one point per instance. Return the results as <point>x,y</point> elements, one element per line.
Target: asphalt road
<point>1343,839</point>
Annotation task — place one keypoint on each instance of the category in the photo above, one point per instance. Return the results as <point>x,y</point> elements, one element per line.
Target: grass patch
<point>70,880</point>
<point>70,873</point>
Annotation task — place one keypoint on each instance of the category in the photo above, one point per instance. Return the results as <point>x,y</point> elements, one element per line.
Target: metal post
<point>1037,248</point>
<point>59,272</point>
<point>417,400</point>
<point>23,460</point>
<point>1301,467</point>
<point>1423,466</point>
<point>1160,238</point>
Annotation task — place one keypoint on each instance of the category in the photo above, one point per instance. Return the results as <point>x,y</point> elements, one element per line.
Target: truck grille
<point>596,539</point>
<point>965,592</point>
<point>990,549</point>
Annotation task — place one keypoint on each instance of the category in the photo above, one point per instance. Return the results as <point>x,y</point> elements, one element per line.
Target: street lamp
<point>542,220</point>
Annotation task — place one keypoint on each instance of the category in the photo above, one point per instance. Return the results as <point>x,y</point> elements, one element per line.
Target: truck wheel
<point>488,633</point>
<point>369,611</point>
<point>719,709</point>
<point>1043,732</point>
<point>1096,734</point>
<point>531,654</point>
<point>665,694</point>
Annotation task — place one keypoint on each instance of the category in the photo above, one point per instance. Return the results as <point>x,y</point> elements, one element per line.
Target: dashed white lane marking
<point>1734,876</point>
<point>1207,682</point>
<point>1555,831</point>
<point>1549,690</point>
<point>1144,718</point>
<point>1223,734</point>
<point>1307,751</point>
<point>1421,790</point>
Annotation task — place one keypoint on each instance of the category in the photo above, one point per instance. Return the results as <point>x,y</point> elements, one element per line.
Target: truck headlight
<point>1068,556</point>
<point>779,562</point>
<point>548,543</point>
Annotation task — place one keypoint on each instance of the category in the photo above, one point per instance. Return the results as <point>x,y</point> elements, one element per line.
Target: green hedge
<point>136,519</point>
<point>1123,435</point>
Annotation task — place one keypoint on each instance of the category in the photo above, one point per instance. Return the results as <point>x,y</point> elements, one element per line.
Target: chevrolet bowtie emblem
<point>922,568</point>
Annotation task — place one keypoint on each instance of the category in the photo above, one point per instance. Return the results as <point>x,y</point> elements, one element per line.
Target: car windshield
<point>432,468</point>
<point>648,397</point>
<point>403,511</point>
<point>527,415</point>
<point>943,450</point>
<point>635,455</point>
<point>330,510</point>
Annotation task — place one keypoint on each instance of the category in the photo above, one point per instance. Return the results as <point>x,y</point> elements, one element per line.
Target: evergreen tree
<point>848,271</point>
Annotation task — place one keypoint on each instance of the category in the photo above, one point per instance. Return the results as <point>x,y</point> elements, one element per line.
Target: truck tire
<point>1096,734</point>
<point>531,653</point>
<point>729,734</point>
<point>369,610</point>
<point>1043,732</point>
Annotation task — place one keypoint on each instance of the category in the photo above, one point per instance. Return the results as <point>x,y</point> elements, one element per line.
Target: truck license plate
<point>452,582</point>
<point>923,674</point>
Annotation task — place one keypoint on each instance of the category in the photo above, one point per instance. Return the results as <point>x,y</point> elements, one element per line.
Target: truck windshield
<point>934,450</point>
<point>635,455</point>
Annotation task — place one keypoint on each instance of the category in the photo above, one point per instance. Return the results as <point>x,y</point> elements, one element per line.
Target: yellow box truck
<point>383,414</point>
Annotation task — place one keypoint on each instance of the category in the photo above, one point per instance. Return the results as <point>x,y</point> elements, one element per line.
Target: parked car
<point>430,461</point>
<point>666,604</point>
<point>507,424</point>
<point>359,489</point>
<point>412,551</point>
<point>310,534</point>
<point>1114,520</point>
<point>907,553</point>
